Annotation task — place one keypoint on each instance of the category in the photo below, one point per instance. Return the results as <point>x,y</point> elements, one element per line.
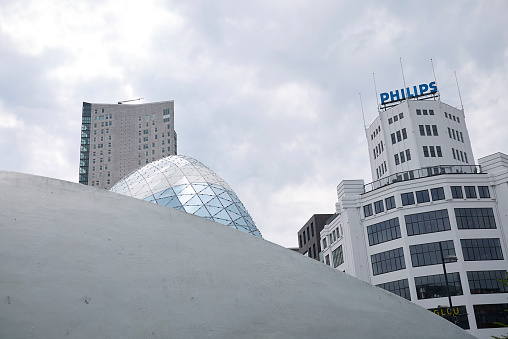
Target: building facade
<point>308,236</point>
<point>429,204</point>
<point>118,138</point>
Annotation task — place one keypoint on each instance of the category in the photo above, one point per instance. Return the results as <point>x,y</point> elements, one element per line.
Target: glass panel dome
<point>184,183</point>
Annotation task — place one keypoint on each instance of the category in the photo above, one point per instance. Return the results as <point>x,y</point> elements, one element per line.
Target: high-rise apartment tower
<point>118,138</point>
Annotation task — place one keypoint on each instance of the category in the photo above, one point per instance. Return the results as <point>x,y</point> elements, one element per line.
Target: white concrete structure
<point>389,232</point>
<point>80,262</point>
<point>118,138</point>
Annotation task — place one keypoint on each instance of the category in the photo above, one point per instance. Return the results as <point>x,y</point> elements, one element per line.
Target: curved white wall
<point>80,262</point>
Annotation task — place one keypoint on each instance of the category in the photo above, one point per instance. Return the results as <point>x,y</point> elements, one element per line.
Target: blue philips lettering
<point>433,87</point>
<point>423,88</point>
<point>403,93</point>
<point>394,95</point>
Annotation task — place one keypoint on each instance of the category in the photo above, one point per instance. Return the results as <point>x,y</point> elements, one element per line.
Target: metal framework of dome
<point>184,183</point>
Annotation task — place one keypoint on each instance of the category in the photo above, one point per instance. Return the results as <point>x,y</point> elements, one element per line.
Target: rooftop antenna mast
<point>375,88</point>
<point>122,102</point>
<point>363,114</point>
<point>402,69</point>
<point>435,80</point>
<point>460,97</point>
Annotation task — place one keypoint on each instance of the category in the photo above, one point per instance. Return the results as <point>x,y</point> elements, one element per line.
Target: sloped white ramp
<point>79,262</point>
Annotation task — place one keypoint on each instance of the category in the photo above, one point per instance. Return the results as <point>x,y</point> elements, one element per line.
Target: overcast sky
<point>266,92</point>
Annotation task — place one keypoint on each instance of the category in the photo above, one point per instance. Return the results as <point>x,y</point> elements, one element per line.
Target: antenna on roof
<point>363,115</point>
<point>121,102</point>
<point>403,78</point>
<point>375,88</point>
<point>460,97</point>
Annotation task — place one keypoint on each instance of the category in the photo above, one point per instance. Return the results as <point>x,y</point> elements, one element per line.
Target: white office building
<point>118,138</point>
<point>428,202</point>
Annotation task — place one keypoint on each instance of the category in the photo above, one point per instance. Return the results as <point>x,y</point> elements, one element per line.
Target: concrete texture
<point>80,262</point>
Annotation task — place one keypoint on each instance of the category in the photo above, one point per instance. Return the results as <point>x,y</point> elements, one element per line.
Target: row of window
<point>306,238</point>
<point>430,222</point>
<point>103,124</point>
<point>434,286</point>
<point>425,112</point>
<point>102,131</point>
<point>332,237</point>
<point>102,117</point>
<point>399,136</point>
<point>455,134</point>
<point>459,155</point>
<point>402,157</point>
<point>423,196</point>
<point>452,117</point>
<point>395,118</point>
<point>378,149</point>
<point>375,133</point>
<point>102,138</point>
<point>429,130</point>
<point>483,192</point>
<point>482,249</point>
<point>96,183</point>
<point>337,256</point>
<point>430,151</point>
<point>381,169</point>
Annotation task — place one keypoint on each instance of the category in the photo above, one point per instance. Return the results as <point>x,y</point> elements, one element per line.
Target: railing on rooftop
<point>423,173</point>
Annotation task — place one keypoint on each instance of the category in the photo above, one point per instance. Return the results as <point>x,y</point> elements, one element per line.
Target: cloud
<point>266,93</point>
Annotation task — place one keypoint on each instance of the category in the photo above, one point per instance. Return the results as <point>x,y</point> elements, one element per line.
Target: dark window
<point>312,228</point>
<point>327,260</point>
<point>430,254</point>
<point>337,256</point>
<point>383,231</point>
<point>401,115</point>
<point>399,137</point>
<point>404,134</point>
<point>427,128</point>
<point>324,243</point>
<point>304,238</point>
<point>402,157</point>
<point>483,191</point>
<point>456,192</point>
<point>449,132</point>
<point>395,118</point>
<point>390,121</point>
<point>434,130</point>
<point>461,137</point>
<point>393,138</point>
<point>484,282</point>
<point>425,151</point>
<point>470,191</point>
<point>475,218</point>
<point>314,247</point>
<point>396,156</point>
<point>379,207</point>
<point>437,193</point>
<point>458,313</point>
<point>458,119</point>
<point>427,222</point>
<point>446,114</point>
<point>390,203</point>
<point>422,130</point>
<point>408,155</point>
<point>453,134</point>
<point>398,287</point>
<point>367,210</point>
<point>431,111</point>
<point>434,286</point>
<point>308,234</point>
<point>418,112</point>
<point>422,196</point>
<point>453,153</point>
<point>438,150</point>
<point>424,112</point>
<point>490,315</point>
<point>407,199</point>
<point>432,151</point>
<point>481,249</point>
<point>388,261</point>
<point>300,240</point>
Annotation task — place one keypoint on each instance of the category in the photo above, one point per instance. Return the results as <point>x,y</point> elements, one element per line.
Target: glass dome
<point>184,183</point>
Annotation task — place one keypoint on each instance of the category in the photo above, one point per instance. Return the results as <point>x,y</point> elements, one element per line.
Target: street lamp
<point>454,258</point>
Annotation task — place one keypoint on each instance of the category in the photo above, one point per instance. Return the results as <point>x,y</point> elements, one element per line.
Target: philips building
<point>429,210</point>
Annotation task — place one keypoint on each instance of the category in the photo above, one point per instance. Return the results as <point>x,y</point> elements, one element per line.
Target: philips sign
<point>401,94</point>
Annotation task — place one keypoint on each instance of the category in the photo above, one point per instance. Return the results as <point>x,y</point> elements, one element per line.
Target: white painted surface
<point>80,262</point>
